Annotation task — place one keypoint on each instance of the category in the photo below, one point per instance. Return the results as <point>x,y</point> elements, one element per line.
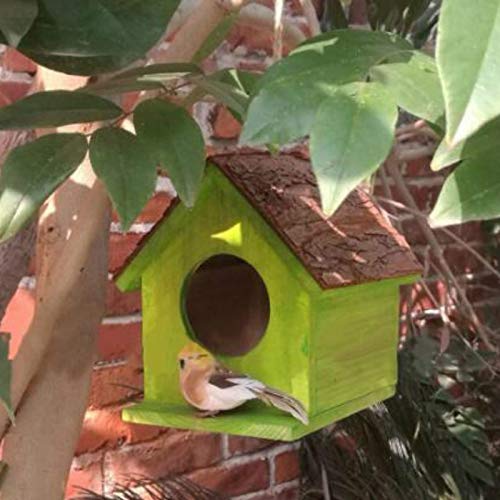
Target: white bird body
<point>210,387</point>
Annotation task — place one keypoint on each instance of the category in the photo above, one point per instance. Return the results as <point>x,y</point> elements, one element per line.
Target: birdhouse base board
<point>252,420</point>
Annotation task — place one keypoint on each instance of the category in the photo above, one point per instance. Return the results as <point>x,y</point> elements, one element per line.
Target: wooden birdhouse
<point>260,277</point>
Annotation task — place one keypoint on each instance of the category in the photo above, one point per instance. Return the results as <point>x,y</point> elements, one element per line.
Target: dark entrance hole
<point>226,305</point>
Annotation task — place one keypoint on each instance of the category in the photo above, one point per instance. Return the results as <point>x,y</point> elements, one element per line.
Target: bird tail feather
<point>283,402</point>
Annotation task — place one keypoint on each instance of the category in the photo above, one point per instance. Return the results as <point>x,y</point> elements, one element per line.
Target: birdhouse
<point>305,303</point>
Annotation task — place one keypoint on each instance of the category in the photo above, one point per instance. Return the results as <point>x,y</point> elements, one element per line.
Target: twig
<point>324,482</point>
<point>311,17</point>
<point>393,168</point>
<point>408,154</point>
<point>446,231</point>
<point>278,29</point>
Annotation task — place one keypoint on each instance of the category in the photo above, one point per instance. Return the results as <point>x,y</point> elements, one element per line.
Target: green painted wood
<point>222,221</point>
<point>355,338</point>
<point>250,420</point>
<point>335,350</point>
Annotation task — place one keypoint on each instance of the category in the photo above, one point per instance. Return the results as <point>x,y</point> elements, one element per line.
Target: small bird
<point>210,387</point>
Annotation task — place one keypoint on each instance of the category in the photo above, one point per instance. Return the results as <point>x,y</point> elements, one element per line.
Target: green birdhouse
<point>307,304</point>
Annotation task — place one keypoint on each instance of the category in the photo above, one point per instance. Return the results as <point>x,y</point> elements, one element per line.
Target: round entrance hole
<point>226,305</point>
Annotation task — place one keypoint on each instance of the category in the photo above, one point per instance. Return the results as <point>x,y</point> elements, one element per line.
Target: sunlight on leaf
<point>31,173</point>
<point>121,161</point>
<point>467,54</point>
<point>357,114</point>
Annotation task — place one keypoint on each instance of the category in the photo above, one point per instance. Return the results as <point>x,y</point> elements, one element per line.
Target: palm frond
<point>144,488</point>
<point>419,445</point>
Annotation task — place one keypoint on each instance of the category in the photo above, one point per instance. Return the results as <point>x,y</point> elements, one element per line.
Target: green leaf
<point>352,135</point>
<point>471,192</point>
<point>484,142</point>
<point>412,78</point>
<point>152,77</point>
<point>95,36</point>
<point>174,139</point>
<point>56,108</point>
<point>127,169</point>
<point>290,93</point>
<point>110,87</point>
<point>31,173</point>
<point>216,37</point>
<point>161,72</point>
<point>467,53</point>
<point>16,18</point>
<point>5,374</point>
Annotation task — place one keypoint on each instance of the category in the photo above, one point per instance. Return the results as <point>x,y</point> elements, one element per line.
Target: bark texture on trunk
<point>39,449</point>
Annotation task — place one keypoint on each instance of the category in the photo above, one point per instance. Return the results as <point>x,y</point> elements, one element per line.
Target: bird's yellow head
<point>194,356</point>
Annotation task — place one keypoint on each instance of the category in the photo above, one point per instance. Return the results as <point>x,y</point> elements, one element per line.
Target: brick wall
<point>109,449</point>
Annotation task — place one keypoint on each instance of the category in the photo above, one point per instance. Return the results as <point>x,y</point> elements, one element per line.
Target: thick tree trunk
<point>60,344</point>
<point>15,253</point>
<point>39,449</point>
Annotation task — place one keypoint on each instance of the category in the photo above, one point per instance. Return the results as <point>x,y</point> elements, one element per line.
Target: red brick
<point>121,341</point>
<point>18,317</point>
<point>88,476</point>
<point>225,126</point>
<point>239,445</point>
<point>120,247</point>
<point>287,466</point>
<point>153,210</point>
<point>174,452</point>
<point>14,61</point>
<point>106,429</point>
<point>116,384</point>
<point>119,303</point>
<point>236,479</point>
<point>418,167</point>
<point>425,196</point>
<point>14,90</point>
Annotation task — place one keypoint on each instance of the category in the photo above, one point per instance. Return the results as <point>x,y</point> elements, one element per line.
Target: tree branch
<point>393,168</point>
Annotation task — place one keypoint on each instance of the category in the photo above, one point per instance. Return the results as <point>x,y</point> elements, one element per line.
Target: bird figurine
<point>211,387</point>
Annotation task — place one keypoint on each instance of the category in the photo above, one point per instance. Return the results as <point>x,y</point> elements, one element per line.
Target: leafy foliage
<point>122,162</point>
<point>360,113</point>
<point>31,173</point>
<point>56,108</point>
<point>468,62</point>
<point>420,444</point>
<point>16,18</point>
<point>413,80</point>
<point>288,96</point>
<point>305,94</point>
<point>95,36</point>
<point>175,141</point>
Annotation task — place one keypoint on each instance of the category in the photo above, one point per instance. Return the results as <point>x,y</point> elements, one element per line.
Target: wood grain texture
<point>250,420</point>
<point>354,339</point>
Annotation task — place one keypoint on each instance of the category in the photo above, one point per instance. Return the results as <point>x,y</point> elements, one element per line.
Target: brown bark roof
<point>355,245</point>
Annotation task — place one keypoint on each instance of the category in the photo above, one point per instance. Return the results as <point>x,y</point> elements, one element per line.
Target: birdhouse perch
<point>260,277</point>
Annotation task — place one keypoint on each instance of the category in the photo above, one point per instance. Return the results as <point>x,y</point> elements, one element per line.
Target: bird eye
<point>182,363</point>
